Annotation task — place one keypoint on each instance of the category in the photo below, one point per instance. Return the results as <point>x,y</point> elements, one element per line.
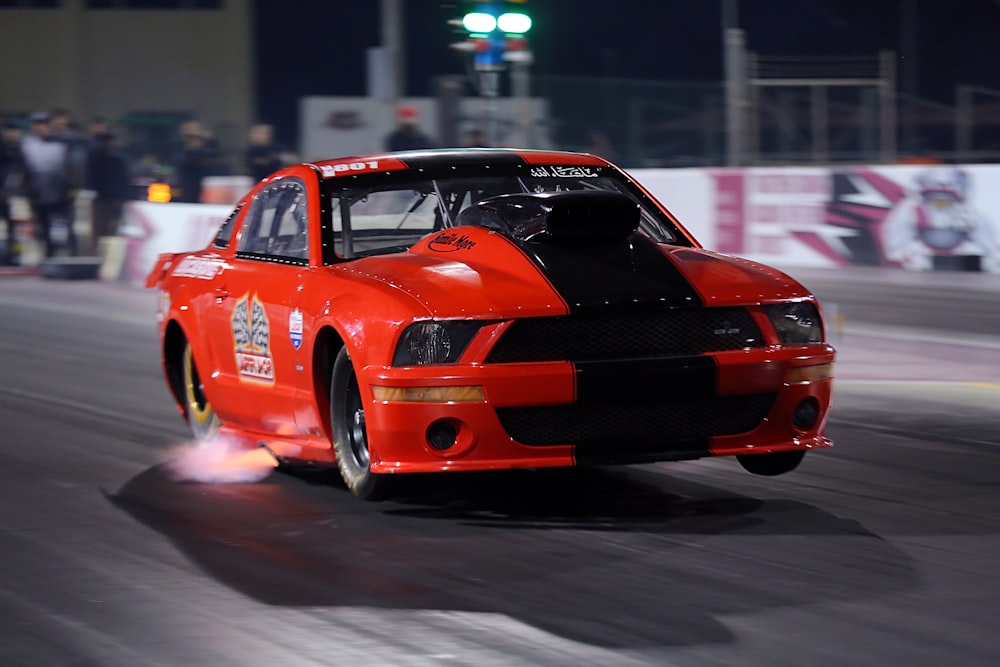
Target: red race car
<point>481,309</point>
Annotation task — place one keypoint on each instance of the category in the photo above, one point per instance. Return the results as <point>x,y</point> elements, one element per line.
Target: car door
<point>257,293</point>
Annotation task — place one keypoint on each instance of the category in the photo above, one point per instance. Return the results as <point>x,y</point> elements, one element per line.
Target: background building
<point>144,64</point>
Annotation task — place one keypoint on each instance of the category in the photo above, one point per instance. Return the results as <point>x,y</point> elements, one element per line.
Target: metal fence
<point>635,122</point>
<point>641,123</point>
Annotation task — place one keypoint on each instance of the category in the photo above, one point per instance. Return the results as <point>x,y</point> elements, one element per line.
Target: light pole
<point>392,56</point>
<point>520,77</point>
<point>734,62</point>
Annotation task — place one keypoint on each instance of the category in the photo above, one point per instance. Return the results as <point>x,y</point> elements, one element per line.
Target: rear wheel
<point>200,415</point>
<point>350,436</point>
<point>777,463</point>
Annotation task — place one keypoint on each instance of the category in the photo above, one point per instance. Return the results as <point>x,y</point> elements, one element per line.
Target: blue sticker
<point>295,328</point>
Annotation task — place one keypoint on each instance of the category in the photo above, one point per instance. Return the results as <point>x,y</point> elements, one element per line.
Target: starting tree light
<point>487,17</point>
<point>515,20</point>
<point>495,30</point>
<point>514,23</point>
<point>479,22</point>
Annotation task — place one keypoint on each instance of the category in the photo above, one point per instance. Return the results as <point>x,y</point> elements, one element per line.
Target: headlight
<point>434,342</point>
<point>796,323</point>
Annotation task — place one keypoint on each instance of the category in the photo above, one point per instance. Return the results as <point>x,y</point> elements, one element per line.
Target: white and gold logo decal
<point>252,340</point>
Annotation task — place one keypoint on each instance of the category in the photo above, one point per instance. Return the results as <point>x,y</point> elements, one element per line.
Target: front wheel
<point>776,463</point>
<point>200,416</point>
<point>350,437</point>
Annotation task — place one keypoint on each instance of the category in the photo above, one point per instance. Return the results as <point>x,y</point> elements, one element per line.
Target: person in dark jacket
<point>475,138</point>
<point>197,158</point>
<point>264,156</point>
<point>407,136</point>
<point>11,184</point>
<point>48,184</point>
<point>108,177</point>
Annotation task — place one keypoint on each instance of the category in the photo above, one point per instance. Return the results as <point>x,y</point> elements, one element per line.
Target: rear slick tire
<point>201,418</point>
<point>350,436</point>
<point>769,465</point>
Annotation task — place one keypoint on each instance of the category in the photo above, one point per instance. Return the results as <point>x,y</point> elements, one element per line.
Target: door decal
<point>251,340</point>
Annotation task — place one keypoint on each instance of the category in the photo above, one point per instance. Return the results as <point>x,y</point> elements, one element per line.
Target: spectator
<point>474,138</point>
<point>108,177</point>
<point>97,127</point>
<point>407,136</point>
<point>11,182</point>
<point>48,183</point>
<point>598,144</point>
<point>196,160</point>
<point>264,156</point>
<point>63,129</point>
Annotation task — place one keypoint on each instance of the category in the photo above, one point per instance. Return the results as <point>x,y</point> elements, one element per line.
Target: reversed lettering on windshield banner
<point>451,242</point>
<point>564,172</point>
<point>252,341</point>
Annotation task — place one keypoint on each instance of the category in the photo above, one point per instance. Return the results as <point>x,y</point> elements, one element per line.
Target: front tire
<point>350,436</point>
<point>776,463</point>
<point>200,416</point>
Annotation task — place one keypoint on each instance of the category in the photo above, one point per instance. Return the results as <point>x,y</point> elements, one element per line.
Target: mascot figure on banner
<point>936,226</point>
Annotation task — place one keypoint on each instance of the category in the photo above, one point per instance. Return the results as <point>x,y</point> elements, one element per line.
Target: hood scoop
<point>557,217</point>
<point>586,244</point>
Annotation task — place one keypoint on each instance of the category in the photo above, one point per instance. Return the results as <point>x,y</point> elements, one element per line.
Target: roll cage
<point>382,213</point>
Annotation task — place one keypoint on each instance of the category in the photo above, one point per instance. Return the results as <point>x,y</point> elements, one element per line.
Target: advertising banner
<point>917,217</point>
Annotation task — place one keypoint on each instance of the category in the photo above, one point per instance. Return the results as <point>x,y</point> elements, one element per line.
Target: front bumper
<point>747,406</point>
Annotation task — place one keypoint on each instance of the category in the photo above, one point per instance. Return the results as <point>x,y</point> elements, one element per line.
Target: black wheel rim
<point>355,419</point>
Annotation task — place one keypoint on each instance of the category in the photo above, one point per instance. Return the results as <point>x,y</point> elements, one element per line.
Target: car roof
<point>444,157</point>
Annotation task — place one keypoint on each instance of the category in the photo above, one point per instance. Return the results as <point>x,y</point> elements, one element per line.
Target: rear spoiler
<point>163,264</point>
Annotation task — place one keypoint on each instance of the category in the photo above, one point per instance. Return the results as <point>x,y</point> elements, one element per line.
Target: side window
<point>226,231</point>
<point>277,224</point>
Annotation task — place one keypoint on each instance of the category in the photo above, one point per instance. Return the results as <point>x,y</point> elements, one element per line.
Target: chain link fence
<point>640,123</point>
<point>634,122</point>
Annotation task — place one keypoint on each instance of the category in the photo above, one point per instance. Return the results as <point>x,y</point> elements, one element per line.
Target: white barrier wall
<point>918,217</point>
<point>909,216</point>
<point>151,229</point>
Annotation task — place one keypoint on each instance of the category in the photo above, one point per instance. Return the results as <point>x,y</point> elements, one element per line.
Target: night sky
<point>318,47</point>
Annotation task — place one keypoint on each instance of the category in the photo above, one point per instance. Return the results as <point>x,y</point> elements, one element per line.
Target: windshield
<point>393,213</point>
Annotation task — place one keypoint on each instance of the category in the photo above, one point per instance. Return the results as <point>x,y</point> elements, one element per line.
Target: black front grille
<point>627,335</point>
<point>656,426</point>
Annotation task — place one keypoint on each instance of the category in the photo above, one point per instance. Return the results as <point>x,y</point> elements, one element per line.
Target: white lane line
<point>89,311</point>
<point>89,409</point>
<point>924,336</point>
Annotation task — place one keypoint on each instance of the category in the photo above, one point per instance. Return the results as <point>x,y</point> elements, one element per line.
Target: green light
<point>514,23</point>
<point>479,22</point>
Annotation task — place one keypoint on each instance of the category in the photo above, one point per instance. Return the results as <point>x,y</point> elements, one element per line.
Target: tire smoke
<point>219,460</point>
